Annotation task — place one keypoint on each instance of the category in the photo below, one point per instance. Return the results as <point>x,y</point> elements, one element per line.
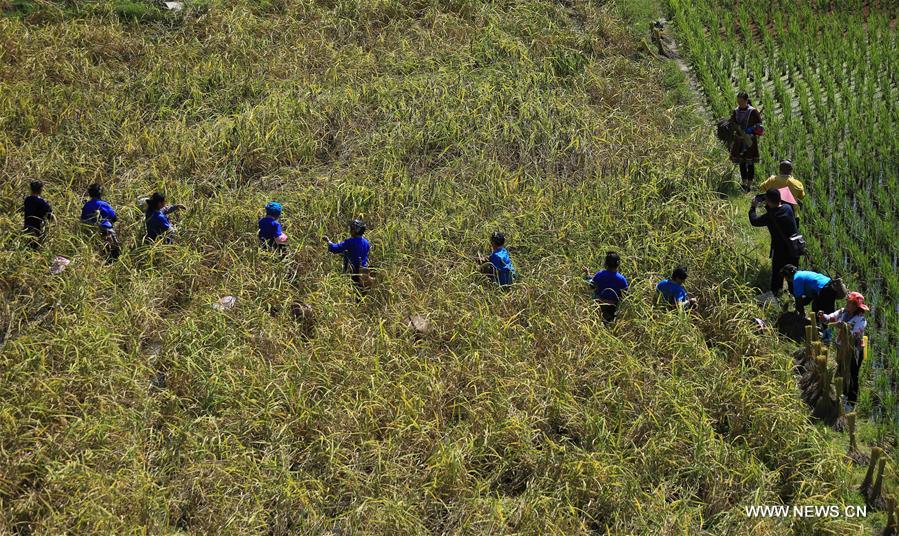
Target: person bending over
<point>672,290</point>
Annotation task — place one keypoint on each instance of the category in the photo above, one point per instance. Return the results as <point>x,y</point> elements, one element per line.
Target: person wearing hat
<point>785,179</point>
<point>498,267</point>
<point>156,219</point>
<point>811,287</point>
<point>781,224</point>
<point>271,234</point>
<point>97,212</point>
<point>355,250</point>
<point>854,315</point>
<point>608,286</point>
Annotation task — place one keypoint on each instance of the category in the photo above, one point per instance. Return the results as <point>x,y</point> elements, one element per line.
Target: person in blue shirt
<point>672,290</point>
<point>271,234</point>
<point>157,221</point>
<point>498,266</point>
<point>608,286</point>
<point>36,210</point>
<point>811,287</point>
<point>355,251</point>
<point>100,214</point>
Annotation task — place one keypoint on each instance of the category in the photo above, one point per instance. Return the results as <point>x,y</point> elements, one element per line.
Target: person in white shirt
<point>854,315</point>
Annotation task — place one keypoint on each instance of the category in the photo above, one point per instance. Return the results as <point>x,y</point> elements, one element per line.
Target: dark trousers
<point>825,301</point>
<point>780,259</point>
<point>609,310</point>
<point>854,367</point>
<point>747,175</point>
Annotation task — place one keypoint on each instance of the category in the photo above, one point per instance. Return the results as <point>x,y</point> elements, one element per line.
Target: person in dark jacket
<point>355,250</point>
<point>156,219</point>
<point>36,210</point>
<point>745,147</point>
<point>781,224</point>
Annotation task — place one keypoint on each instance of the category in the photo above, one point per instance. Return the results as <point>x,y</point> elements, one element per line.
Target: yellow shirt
<point>784,181</point>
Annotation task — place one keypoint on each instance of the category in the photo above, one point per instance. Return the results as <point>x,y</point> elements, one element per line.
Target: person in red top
<point>745,147</point>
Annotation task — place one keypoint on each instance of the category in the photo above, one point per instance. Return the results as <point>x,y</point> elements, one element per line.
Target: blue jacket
<point>157,224</point>
<point>269,230</point>
<point>355,253</point>
<point>98,212</point>
<point>608,286</point>
<point>502,264</point>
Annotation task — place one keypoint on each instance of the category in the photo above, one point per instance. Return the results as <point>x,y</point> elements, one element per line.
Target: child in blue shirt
<point>156,219</point>
<point>99,213</point>
<point>355,251</point>
<point>608,286</point>
<point>271,235</point>
<point>672,290</point>
<point>498,266</point>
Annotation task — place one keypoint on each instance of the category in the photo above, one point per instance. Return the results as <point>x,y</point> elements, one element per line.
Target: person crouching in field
<point>498,267</point>
<point>854,315</point>
<point>156,219</point>
<point>785,179</point>
<point>100,214</point>
<point>36,210</point>
<point>811,287</point>
<point>672,290</point>
<point>778,217</point>
<point>608,286</point>
<point>271,235</point>
<point>355,250</point>
<point>745,147</point>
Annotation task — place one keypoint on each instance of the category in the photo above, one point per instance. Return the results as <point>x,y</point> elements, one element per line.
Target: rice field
<point>134,399</point>
<point>824,76</point>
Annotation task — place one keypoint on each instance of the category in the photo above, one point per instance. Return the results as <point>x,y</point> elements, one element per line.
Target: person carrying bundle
<point>785,179</point>
<point>608,286</point>
<point>781,224</point>
<point>498,267</point>
<point>156,221</point>
<point>744,150</point>
<point>672,290</point>
<point>271,234</point>
<point>809,287</point>
<point>36,210</point>
<point>98,213</point>
<point>355,250</point>
<point>854,315</point>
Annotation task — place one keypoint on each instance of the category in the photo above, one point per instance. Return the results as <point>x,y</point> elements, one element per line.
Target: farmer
<point>98,213</point>
<point>156,219</point>
<point>608,286</point>
<point>745,148</point>
<point>498,267</point>
<point>672,290</point>
<point>785,179</point>
<point>781,224</point>
<point>854,315</point>
<point>812,287</point>
<point>271,235</point>
<point>36,210</point>
<point>355,251</point>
